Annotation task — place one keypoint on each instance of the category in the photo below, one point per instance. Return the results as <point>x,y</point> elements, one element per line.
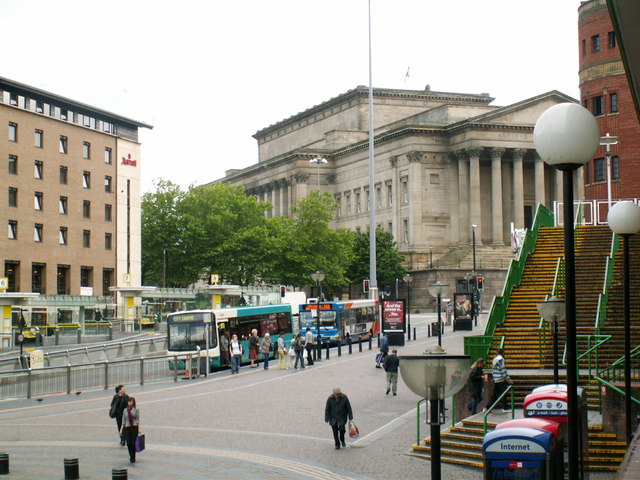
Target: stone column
<point>475,203</point>
<point>518,188</point>
<point>496,196</point>
<point>416,230</point>
<point>539,181</point>
<point>559,195</point>
<point>463,197</point>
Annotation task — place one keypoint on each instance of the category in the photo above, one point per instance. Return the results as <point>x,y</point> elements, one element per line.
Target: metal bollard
<point>119,474</point>
<point>360,344</point>
<point>4,463</point>
<point>327,344</point>
<point>319,349</point>
<point>349,342</point>
<point>370,342</point>
<point>414,334</point>
<point>339,349</point>
<point>71,469</point>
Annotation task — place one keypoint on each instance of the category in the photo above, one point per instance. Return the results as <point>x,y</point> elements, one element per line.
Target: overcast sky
<point>208,74</point>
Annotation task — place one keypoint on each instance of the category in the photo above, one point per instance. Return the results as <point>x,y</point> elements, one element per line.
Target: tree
<point>388,260</point>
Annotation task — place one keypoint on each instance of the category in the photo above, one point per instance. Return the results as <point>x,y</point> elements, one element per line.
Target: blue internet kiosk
<point>520,453</point>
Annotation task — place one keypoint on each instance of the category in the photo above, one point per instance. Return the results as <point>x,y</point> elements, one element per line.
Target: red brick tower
<point>604,90</point>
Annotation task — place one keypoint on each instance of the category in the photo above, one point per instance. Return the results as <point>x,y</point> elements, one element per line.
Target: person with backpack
<point>298,347</point>
<point>118,404</point>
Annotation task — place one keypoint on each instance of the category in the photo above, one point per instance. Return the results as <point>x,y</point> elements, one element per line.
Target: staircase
<point>461,445</point>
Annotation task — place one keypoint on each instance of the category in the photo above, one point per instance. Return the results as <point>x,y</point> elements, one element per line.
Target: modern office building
<point>443,162</point>
<point>70,177</point>
<point>604,90</point>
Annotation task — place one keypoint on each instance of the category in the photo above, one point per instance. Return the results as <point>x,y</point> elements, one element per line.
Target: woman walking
<point>131,427</point>
<point>475,385</point>
<point>265,349</point>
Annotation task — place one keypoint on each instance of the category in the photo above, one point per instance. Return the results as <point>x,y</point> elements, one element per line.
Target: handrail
<point>603,298</point>
<point>614,388</point>
<point>490,409</point>
<point>418,419</point>
<point>599,340</point>
<point>499,305</point>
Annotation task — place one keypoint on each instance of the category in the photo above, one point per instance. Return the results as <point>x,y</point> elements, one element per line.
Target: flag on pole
<point>407,75</point>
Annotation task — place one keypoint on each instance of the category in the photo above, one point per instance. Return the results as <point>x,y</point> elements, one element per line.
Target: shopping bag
<point>378,357</point>
<point>140,441</point>
<point>353,430</point>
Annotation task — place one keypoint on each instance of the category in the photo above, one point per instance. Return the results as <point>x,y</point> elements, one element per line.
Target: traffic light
<point>480,284</point>
<point>283,291</point>
<point>365,285</point>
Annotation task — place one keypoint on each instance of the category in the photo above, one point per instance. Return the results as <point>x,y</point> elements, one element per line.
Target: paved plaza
<point>260,424</point>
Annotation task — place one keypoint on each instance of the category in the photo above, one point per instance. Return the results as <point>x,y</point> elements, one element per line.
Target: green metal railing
<point>603,297</point>
<point>497,402</point>
<point>498,310</point>
<point>592,353</point>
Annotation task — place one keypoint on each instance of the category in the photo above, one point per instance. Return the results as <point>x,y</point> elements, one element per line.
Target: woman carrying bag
<point>131,427</point>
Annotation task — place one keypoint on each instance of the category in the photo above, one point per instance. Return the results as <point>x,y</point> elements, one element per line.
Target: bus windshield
<point>327,318</point>
<point>188,331</point>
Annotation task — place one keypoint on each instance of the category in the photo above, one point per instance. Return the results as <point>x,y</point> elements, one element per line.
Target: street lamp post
<point>318,277</point>
<point>475,294</point>
<point>437,290</point>
<point>318,161</point>
<point>624,219</point>
<point>566,136</point>
<point>553,311</point>
<point>408,279</point>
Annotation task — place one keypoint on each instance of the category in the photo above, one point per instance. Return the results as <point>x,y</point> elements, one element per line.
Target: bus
<point>355,319</point>
<point>187,331</point>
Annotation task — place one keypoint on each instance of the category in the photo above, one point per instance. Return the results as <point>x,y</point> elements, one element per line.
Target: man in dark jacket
<point>336,413</point>
<point>391,364</point>
<point>118,404</point>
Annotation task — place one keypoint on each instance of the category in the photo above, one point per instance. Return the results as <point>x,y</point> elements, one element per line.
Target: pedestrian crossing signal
<point>480,284</point>
<point>283,291</point>
<point>365,285</point>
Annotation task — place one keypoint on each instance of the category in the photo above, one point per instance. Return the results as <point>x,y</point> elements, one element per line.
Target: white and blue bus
<point>187,331</point>
<point>337,321</point>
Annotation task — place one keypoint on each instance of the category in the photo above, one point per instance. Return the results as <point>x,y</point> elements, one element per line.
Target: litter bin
<point>520,453</point>
<point>545,425</point>
<point>435,329</point>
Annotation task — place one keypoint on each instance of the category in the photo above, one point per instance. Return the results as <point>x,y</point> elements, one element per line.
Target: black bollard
<point>349,342</point>
<point>4,463</point>
<point>371,340</point>
<point>119,474</point>
<point>319,349</point>
<point>339,349</point>
<point>71,469</point>
<point>327,344</point>
<point>414,334</point>
<point>360,344</point>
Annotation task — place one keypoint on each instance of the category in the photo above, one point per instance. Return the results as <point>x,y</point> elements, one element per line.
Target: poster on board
<point>393,317</point>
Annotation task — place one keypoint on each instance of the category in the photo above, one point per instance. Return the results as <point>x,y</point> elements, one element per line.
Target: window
<point>86,276</point>
<point>62,238</point>
<point>37,233</point>
<point>38,201</point>
<point>596,106</point>
<point>13,229</point>
<point>107,241</point>
<point>615,168</point>
<point>13,165</point>
<point>63,175</point>
<point>86,179</point>
<point>379,196</point>
<point>63,205</point>
<point>63,279</point>
<point>338,206</point>
<point>612,39</point>
<point>63,144</point>
<point>86,238</point>
<point>595,43</point>
<point>405,230</point>
<point>587,167</point>
<point>584,47</point>
<point>599,173</point>
<point>357,202</point>
<point>107,184</point>
<point>347,199</point>
<point>86,150</point>
<point>13,132</point>
<point>13,197</point>
<point>389,194</point>
<point>37,277</point>
<point>86,209</point>
<point>107,281</point>
<point>613,102</point>
<point>39,167</point>
<point>38,141</point>
<point>390,227</point>
<point>107,212</point>
<point>368,199</point>
<point>405,192</point>
<point>107,155</point>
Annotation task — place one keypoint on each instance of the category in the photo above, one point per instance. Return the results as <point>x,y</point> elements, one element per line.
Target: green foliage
<point>388,260</point>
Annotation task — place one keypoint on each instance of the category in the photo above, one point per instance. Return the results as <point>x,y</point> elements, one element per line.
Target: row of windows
<point>63,277</point>
<point>600,170</point>
<point>405,229</point>
<point>63,235</point>
<point>63,143</point>
<point>598,104</point>
<point>596,43</point>
<point>51,110</point>
<point>380,198</point>
<point>38,174</point>
<point>63,204</point>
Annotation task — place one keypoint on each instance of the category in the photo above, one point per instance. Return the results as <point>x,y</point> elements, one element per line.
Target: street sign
<point>4,283</point>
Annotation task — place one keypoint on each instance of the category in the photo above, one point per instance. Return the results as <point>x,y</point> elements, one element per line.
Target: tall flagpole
<point>373,282</point>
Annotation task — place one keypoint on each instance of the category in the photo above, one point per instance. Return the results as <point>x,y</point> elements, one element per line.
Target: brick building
<point>604,90</point>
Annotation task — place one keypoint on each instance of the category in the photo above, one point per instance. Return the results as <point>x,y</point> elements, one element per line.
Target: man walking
<point>390,365</point>
<point>309,345</point>
<point>336,413</point>
<point>501,380</point>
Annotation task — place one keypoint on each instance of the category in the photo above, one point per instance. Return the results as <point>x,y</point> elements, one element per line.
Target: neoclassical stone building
<point>443,162</point>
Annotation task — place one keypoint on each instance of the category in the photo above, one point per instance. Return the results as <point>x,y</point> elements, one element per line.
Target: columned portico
<point>496,196</point>
<point>463,197</point>
<point>539,180</point>
<point>475,210</point>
